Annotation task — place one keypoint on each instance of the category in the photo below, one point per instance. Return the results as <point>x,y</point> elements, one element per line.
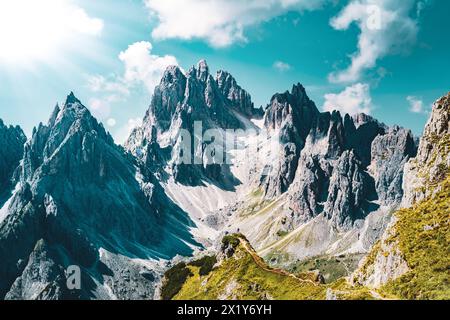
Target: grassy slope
<point>423,234</point>
<point>245,276</point>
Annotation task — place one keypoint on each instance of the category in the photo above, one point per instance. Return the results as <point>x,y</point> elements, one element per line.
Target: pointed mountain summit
<point>12,140</point>
<point>178,102</point>
<point>82,201</point>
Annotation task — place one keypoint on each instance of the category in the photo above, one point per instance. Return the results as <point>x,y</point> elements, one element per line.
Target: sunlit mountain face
<point>224,149</point>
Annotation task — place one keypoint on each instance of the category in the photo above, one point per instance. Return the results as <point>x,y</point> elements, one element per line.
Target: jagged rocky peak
<point>360,119</point>
<point>439,122</point>
<point>202,71</point>
<point>293,115</point>
<point>293,107</point>
<point>12,140</point>
<point>240,99</point>
<point>181,98</point>
<point>360,130</point>
<point>83,201</point>
<point>436,130</point>
<point>168,95</point>
<point>326,157</point>
<point>179,101</point>
<point>433,157</point>
<point>72,124</point>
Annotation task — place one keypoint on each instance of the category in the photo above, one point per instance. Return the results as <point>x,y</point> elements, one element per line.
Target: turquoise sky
<point>307,48</point>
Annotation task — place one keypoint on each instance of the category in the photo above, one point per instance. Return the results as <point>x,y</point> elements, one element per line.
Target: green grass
<point>344,291</point>
<point>245,276</point>
<point>423,236</point>
<point>239,277</point>
<point>204,264</point>
<point>332,268</point>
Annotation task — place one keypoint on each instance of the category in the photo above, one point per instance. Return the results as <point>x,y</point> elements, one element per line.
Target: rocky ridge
<point>83,201</point>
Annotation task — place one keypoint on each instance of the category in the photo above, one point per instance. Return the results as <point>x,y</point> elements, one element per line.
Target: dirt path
<point>258,260</point>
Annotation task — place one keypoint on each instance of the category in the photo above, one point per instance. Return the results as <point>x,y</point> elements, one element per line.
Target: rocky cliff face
<point>344,167</point>
<point>83,201</point>
<point>292,115</point>
<point>433,158</point>
<point>12,140</point>
<point>415,239</point>
<point>390,153</point>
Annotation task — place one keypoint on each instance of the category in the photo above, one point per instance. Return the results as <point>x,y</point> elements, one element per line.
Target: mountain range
<point>321,187</point>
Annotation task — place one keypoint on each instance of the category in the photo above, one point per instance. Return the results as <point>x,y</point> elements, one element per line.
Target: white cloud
<point>100,108</point>
<point>353,100</point>
<point>416,105</point>
<point>111,122</point>
<point>31,30</point>
<point>79,21</point>
<point>98,83</point>
<point>385,28</point>
<point>143,67</point>
<point>282,66</point>
<point>219,22</point>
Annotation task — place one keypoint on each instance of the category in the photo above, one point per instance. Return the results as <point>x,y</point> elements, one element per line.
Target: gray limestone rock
<point>80,193</point>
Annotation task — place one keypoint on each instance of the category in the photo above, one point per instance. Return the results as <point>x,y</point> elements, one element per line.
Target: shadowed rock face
<point>79,194</point>
<point>325,160</point>
<point>293,115</point>
<point>12,140</point>
<point>390,153</point>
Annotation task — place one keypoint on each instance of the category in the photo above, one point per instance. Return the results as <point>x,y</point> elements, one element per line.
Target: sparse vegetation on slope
<point>423,235</point>
<point>246,276</point>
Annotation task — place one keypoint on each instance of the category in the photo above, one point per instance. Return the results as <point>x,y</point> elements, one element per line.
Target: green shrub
<point>205,264</point>
<point>174,279</point>
<point>230,240</point>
